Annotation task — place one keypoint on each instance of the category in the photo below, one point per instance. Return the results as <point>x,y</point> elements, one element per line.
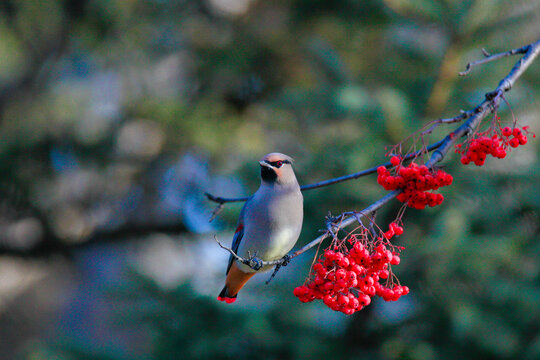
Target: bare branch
<point>229,250</point>
<point>221,200</point>
<point>462,116</point>
<point>372,170</point>
<point>494,57</point>
<point>488,106</point>
<point>216,211</point>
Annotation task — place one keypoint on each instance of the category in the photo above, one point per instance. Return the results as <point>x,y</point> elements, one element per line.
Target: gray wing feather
<point>238,235</point>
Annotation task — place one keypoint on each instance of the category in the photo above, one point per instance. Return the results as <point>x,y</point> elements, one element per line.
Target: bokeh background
<point>117,115</point>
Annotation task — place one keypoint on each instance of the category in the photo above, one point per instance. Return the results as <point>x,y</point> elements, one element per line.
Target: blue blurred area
<point>63,160</point>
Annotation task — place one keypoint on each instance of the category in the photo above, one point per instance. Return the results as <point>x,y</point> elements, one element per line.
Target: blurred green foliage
<point>98,97</point>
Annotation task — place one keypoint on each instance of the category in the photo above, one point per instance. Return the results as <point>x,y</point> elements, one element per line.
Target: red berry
<point>506,131</point>
<point>341,284</point>
<point>405,290</point>
<point>387,256</point>
<point>368,280</point>
<point>344,262</point>
<point>364,299</point>
<point>357,269</point>
<point>514,142</point>
<point>341,274</point>
<point>394,160</point>
<point>328,286</point>
<point>300,291</point>
<point>358,247</point>
<point>343,300</point>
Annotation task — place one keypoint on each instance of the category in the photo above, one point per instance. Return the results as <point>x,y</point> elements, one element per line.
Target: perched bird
<point>269,224</point>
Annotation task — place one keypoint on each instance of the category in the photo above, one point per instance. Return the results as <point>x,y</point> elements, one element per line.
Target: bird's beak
<point>265,164</point>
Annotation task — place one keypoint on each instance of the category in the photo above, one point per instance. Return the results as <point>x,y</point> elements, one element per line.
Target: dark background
<point>116,116</point>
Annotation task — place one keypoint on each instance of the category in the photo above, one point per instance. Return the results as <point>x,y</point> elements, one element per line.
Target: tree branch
<point>489,58</point>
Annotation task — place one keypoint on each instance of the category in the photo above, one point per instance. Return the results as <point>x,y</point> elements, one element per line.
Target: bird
<point>269,224</point>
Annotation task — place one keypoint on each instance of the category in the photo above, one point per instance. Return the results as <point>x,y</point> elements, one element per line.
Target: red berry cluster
<point>346,279</point>
<point>494,143</point>
<point>416,182</point>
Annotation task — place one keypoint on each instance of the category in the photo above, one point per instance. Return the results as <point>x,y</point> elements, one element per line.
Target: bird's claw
<point>255,263</point>
<point>285,260</point>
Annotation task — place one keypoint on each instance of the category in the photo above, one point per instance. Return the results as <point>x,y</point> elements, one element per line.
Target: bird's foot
<point>254,262</point>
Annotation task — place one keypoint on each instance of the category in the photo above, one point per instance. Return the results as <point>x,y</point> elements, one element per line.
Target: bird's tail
<point>236,279</point>
<point>224,296</point>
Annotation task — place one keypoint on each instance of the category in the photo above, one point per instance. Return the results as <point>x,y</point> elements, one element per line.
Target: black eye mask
<point>277,164</point>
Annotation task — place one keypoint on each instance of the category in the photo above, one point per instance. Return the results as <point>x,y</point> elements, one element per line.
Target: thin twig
<point>463,116</point>
<point>372,225</point>
<point>489,58</point>
<point>221,200</point>
<point>216,211</point>
<point>231,251</point>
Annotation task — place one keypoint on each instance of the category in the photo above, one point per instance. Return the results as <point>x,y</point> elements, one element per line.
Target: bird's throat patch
<point>268,174</point>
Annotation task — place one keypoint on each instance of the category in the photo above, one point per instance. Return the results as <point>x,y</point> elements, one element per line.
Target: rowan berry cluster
<point>416,181</point>
<point>347,279</point>
<point>491,142</point>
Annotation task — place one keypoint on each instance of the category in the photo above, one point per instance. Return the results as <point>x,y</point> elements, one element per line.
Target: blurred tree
<point>116,116</point>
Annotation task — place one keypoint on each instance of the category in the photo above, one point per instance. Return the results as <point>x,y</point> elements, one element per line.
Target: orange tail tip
<point>236,279</point>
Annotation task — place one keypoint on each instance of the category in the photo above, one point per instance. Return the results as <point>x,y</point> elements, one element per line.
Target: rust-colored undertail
<point>236,279</point>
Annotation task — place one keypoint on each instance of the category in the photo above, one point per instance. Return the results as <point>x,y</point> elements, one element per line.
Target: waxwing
<point>269,224</point>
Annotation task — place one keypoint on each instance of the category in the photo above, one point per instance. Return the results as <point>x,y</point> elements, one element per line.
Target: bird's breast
<point>274,226</point>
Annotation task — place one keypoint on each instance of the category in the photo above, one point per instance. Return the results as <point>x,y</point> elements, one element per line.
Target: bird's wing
<point>238,235</point>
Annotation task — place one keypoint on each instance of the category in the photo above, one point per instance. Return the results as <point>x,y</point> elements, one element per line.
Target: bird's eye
<point>279,163</point>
